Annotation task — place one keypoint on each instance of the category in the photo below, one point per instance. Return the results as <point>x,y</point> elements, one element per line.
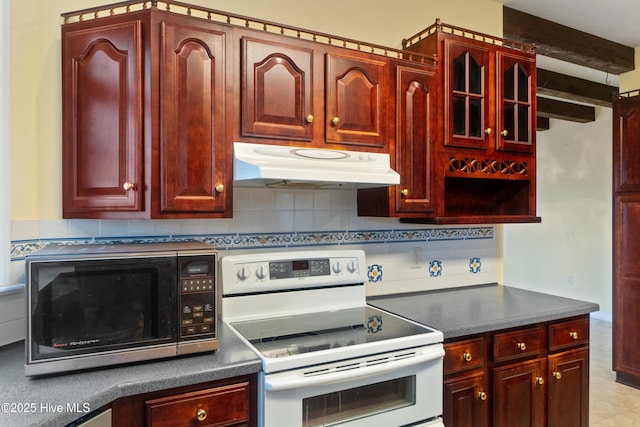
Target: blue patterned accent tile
<point>374,324</point>
<point>435,268</point>
<point>475,264</point>
<point>375,273</point>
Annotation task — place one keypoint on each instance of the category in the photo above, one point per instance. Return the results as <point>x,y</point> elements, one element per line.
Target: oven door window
<point>80,307</point>
<point>346,405</point>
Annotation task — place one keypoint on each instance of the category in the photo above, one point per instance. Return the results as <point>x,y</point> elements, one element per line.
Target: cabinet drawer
<point>464,355</point>
<point>568,334</point>
<point>220,406</point>
<point>518,344</point>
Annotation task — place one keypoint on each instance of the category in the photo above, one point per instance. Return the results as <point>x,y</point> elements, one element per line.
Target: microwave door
<point>101,305</point>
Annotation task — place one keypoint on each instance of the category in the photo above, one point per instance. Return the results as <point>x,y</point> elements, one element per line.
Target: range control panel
<point>282,271</point>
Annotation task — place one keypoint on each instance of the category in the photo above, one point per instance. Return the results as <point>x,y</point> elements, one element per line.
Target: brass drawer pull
<point>467,357</point>
<point>557,375</point>
<point>573,335</point>
<point>482,395</point>
<point>201,415</point>
<point>539,380</point>
<point>522,346</point>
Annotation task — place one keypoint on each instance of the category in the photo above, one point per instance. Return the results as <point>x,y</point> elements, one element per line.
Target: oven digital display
<point>300,265</point>
<point>299,268</point>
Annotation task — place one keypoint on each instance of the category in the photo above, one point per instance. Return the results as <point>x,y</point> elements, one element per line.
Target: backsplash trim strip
<point>21,248</point>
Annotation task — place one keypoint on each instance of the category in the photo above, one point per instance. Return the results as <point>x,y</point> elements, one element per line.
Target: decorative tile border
<point>22,248</point>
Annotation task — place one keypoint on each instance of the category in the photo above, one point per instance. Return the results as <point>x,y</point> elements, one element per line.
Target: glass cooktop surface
<point>305,333</point>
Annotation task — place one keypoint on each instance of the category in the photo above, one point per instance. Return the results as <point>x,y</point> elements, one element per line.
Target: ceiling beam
<point>567,44</point>
<point>542,123</point>
<point>554,109</point>
<point>574,89</point>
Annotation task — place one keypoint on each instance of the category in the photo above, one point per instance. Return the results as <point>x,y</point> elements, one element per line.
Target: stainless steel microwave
<point>98,305</point>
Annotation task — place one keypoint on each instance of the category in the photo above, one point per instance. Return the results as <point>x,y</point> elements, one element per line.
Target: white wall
<point>569,253</point>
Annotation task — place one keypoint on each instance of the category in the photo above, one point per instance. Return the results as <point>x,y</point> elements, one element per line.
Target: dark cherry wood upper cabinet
<point>278,90</point>
<point>485,165</point>
<point>144,99</point>
<point>192,144</point>
<point>466,91</point>
<point>415,138</point>
<point>102,119</point>
<point>516,101</point>
<point>356,100</point>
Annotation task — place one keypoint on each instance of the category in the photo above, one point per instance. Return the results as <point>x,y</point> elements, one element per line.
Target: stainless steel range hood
<point>260,165</point>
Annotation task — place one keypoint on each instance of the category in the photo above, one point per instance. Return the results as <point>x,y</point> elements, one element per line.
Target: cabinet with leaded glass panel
<point>485,163</point>
<point>489,87</point>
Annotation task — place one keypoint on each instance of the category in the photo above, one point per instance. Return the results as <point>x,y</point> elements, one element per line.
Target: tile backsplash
<point>400,257</point>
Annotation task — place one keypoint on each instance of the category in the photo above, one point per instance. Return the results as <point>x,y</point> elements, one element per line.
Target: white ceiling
<point>615,20</point>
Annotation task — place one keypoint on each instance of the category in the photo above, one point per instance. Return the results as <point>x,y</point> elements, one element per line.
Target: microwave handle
<point>296,379</point>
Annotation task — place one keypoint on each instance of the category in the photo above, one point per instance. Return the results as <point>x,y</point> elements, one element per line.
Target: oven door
<point>400,388</point>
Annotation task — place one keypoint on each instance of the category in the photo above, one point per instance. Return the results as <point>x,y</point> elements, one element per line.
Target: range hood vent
<point>261,165</point>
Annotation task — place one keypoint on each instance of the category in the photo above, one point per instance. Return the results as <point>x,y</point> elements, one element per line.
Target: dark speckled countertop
<point>98,387</point>
<point>459,312</point>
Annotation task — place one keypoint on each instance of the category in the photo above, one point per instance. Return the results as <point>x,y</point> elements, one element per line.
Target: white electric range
<point>328,358</point>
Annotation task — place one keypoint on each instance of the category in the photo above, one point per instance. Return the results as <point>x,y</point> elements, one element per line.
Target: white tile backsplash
<point>297,219</point>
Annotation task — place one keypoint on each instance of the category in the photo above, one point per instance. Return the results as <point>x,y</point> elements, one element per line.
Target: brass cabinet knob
<point>309,118</point>
<point>540,380</point>
<point>573,335</point>
<point>488,131</point>
<point>201,415</point>
<point>482,395</point>
<point>467,357</point>
<point>335,121</point>
<point>128,186</point>
<point>504,132</point>
<point>405,192</point>
<point>522,346</point>
<point>557,375</point>
<point>220,188</point>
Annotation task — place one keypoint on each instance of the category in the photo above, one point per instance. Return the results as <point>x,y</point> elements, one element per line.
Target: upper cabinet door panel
<point>626,145</point>
<point>103,130</point>
<point>355,101</point>
<point>416,101</point>
<point>277,90</point>
<point>467,112</point>
<point>516,102</point>
<point>192,81</point>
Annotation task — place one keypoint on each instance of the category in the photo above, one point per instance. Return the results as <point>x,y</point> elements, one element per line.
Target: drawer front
<point>518,344</point>
<point>568,334</point>
<point>219,406</point>
<point>464,355</point>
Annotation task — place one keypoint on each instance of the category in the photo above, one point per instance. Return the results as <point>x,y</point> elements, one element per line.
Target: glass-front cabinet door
<point>466,89</point>
<point>516,103</point>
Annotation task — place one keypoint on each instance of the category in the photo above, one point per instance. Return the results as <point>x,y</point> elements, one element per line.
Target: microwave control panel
<point>197,296</point>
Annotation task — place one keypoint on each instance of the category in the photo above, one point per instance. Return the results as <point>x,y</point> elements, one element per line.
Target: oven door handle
<point>374,366</point>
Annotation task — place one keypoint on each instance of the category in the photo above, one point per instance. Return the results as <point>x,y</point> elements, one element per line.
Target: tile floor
<point>610,403</point>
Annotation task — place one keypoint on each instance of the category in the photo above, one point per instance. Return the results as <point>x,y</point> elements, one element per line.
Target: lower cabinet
<point>532,376</point>
<point>222,403</point>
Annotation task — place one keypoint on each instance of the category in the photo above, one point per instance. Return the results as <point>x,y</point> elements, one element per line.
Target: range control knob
<point>337,267</point>
<point>261,272</point>
<point>243,273</point>
<point>352,266</point>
